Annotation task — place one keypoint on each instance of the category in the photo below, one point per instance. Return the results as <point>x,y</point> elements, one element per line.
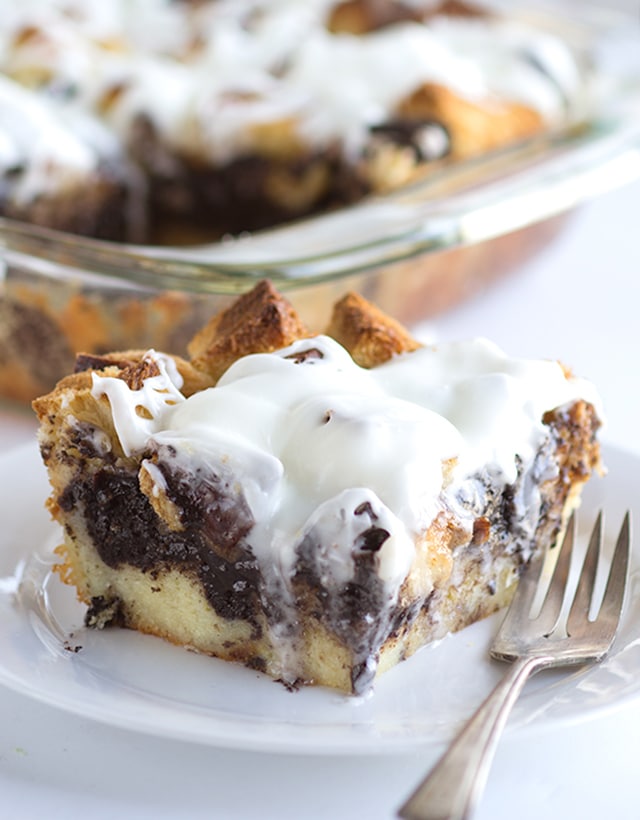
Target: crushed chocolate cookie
<point>481,530</point>
<point>137,373</point>
<point>371,540</point>
<point>429,140</point>
<point>303,356</point>
<point>125,530</point>
<point>103,612</point>
<point>89,361</point>
<point>365,509</point>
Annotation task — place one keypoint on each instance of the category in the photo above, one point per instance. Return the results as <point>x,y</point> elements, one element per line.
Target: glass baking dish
<point>415,252</point>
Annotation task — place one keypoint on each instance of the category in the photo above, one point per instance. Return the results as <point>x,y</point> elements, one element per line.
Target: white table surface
<point>579,302</point>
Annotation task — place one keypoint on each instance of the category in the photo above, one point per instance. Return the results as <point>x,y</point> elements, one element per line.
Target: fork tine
<point>520,608</point>
<point>455,784</point>
<point>616,582</point>
<point>578,617</point>
<point>552,605</point>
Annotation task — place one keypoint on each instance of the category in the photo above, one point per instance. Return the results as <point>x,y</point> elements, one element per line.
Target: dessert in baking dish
<point>316,507</point>
<point>62,169</point>
<point>243,115</point>
<point>178,122</point>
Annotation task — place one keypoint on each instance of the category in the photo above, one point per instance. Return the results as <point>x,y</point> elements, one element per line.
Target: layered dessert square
<point>316,507</point>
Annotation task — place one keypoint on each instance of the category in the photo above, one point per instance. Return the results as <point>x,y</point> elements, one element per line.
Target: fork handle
<point>455,784</point>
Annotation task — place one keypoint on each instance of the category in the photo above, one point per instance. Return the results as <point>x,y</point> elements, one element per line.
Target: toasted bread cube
<point>259,321</point>
<point>370,336</point>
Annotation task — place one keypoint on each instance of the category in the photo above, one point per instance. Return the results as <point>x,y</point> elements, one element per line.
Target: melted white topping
<point>138,414</point>
<point>320,447</point>
<point>46,149</point>
<point>207,74</point>
<point>496,402</point>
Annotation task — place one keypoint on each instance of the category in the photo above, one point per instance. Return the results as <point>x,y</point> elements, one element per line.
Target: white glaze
<point>157,394</point>
<point>307,442</point>
<point>496,402</point>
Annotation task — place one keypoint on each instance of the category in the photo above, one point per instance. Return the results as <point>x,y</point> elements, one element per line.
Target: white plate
<point>141,683</point>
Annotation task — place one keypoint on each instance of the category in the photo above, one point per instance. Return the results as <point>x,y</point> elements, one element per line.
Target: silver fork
<point>532,641</point>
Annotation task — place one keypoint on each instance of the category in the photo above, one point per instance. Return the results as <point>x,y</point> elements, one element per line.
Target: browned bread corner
<point>259,321</point>
<point>370,336</point>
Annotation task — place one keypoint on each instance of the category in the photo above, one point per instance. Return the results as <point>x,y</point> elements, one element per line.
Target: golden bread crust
<point>370,336</point>
<point>474,129</point>
<point>364,16</point>
<point>259,321</point>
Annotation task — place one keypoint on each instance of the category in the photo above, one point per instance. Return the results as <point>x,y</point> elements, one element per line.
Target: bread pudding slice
<point>316,507</point>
